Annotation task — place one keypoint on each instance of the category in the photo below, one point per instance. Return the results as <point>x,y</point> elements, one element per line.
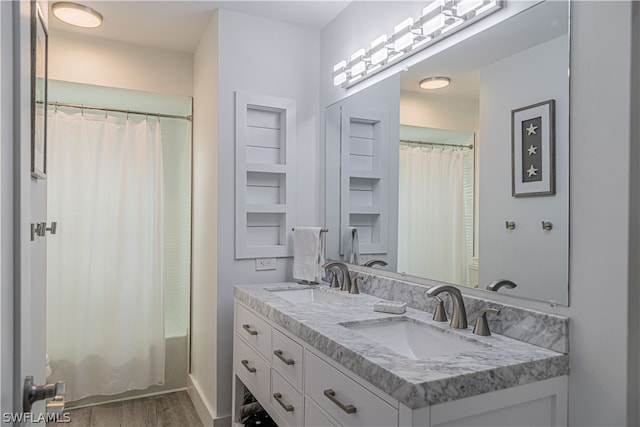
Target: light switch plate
<point>265,264</point>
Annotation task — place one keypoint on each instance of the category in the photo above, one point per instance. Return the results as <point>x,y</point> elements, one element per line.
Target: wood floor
<point>167,410</point>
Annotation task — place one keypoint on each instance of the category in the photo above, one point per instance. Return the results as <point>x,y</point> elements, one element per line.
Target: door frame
<point>17,331</point>
<point>7,248</point>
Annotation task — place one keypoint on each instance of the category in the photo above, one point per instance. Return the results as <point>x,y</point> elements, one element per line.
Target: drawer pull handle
<point>249,330</point>
<point>331,395</point>
<point>286,407</point>
<point>281,357</point>
<point>245,363</point>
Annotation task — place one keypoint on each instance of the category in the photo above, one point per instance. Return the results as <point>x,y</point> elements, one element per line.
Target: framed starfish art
<point>533,150</point>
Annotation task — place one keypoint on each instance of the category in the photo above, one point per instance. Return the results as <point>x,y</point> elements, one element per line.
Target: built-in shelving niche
<point>265,155</point>
<point>364,178</point>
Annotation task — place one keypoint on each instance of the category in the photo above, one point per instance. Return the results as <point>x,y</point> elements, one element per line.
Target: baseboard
<point>206,414</point>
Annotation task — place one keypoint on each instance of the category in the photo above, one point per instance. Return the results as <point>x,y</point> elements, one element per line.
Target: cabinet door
<point>252,370</point>
<point>287,358</point>
<point>286,400</point>
<point>541,403</point>
<point>253,330</point>
<point>315,417</point>
<point>343,398</point>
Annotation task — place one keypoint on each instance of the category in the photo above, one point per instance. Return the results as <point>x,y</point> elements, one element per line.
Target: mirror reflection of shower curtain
<point>105,324</point>
<point>435,232</point>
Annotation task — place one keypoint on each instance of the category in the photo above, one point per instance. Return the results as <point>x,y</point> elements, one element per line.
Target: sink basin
<point>413,340</point>
<point>307,295</point>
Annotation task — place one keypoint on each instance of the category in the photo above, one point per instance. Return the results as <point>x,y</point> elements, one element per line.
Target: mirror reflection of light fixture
<point>76,14</point>
<point>435,82</point>
<point>439,19</point>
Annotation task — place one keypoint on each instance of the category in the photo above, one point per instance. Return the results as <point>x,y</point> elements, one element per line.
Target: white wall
<point>90,60</point>
<point>271,58</point>
<point>437,111</point>
<point>602,373</point>
<point>600,185</point>
<point>517,255</point>
<point>204,279</point>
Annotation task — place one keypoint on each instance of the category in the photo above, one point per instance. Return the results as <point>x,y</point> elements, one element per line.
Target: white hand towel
<point>308,253</point>
<point>352,246</point>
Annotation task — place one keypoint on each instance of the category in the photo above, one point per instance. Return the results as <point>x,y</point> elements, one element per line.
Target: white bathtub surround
<point>497,363</point>
<point>531,326</point>
<point>308,253</point>
<point>105,320</point>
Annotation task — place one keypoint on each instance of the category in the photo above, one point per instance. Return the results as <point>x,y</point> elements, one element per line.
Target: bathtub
<point>175,376</point>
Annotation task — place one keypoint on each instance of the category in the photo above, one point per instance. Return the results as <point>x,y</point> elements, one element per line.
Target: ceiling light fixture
<point>435,82</point>
<point>439,19</point>
<point>76,14</point>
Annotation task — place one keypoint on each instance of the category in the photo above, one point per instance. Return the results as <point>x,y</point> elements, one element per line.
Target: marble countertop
<point>495,363</point>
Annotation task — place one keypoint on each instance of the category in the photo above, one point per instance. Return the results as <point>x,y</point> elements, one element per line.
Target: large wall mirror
<point>466,184</point>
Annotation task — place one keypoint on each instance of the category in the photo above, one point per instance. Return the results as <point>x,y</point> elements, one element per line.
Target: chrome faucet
<point>373,262</point>
<point>459,314</point>
<point>347,285</point>
<point>497,284</point>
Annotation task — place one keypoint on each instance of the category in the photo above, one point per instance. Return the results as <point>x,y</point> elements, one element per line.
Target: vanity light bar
<point>410,36</point>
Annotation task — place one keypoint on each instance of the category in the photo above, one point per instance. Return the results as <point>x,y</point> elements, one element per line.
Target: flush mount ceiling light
<point>435,82</point>
<point>76,14</point>
<point>440,18</point>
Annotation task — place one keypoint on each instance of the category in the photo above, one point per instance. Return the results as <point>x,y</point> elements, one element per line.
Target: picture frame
<point>533,150</point>
<point>39,53</point>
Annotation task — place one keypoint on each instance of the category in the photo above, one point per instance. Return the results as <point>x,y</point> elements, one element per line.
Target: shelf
<point>266,208</point>
<point>365,210</point>
<point>265,175</point>
<point>265,167</point>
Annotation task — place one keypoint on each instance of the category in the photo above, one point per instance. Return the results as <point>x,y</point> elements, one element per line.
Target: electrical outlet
<point>265,264</point>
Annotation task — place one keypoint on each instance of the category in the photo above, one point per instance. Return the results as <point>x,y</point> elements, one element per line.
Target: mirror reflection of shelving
<point>365,140</point>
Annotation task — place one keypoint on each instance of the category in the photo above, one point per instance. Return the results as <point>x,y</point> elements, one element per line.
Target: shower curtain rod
<point>408,141</point>
<point>118,110</point>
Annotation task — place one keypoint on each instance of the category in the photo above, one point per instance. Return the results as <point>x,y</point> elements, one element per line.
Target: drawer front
<point>254,330</point>
<point>287,358</point>
<point>314,417</point>
<point>286,400</point>
<point>344,399</point>
<point>252,370</point>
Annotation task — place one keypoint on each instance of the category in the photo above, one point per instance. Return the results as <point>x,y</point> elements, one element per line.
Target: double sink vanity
<point>318,356</point>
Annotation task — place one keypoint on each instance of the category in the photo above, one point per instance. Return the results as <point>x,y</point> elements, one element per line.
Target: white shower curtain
<point>105,325</point>
<point>433,239</point>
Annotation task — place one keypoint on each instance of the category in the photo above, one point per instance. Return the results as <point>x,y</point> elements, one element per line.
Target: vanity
<point>315,356</point>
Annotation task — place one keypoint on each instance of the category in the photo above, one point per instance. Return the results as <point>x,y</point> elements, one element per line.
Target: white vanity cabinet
<point>296,385</point>
<point>299,386</point>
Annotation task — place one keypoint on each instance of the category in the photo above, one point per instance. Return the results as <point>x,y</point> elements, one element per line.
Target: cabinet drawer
<point>254,330</point>
<point>344,399</point>
<point>252,370</point>
<point>287,358</point>
<point>314,417</point>
<point>286,400</point>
